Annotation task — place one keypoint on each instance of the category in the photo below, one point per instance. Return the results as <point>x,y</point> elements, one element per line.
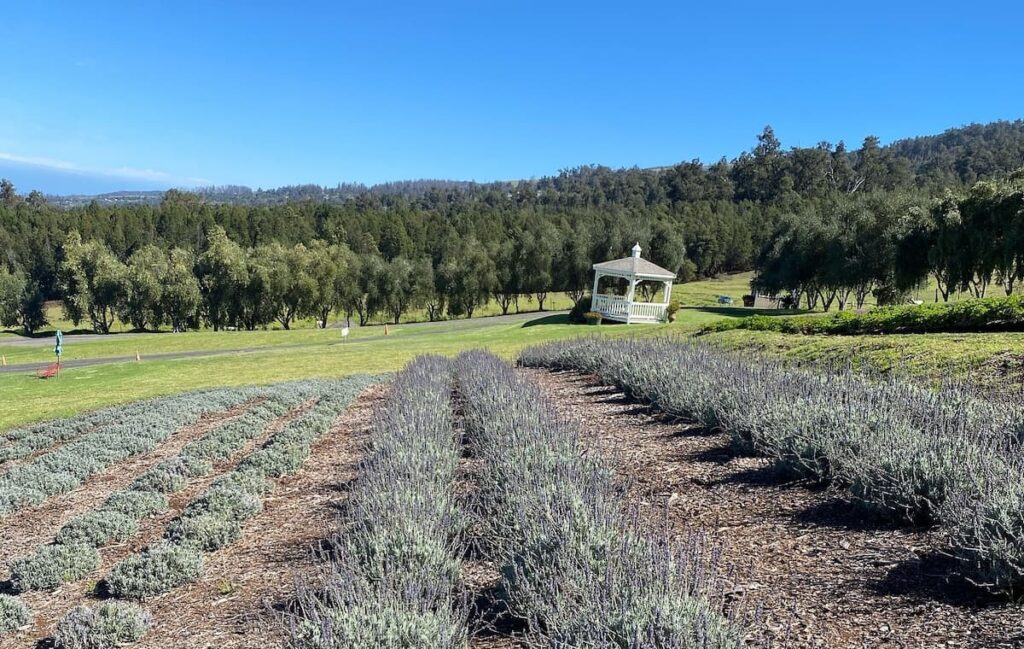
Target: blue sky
<point>147,94</point>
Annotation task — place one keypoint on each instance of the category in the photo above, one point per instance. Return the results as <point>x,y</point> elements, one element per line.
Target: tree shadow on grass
<point>554,318</point>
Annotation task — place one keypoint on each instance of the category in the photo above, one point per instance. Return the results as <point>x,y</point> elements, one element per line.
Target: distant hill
<point>958,156</point>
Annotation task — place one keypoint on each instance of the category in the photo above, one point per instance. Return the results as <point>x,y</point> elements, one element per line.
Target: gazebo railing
<point>647,310</point>
<point>610,305</point>
<point>618,308</point>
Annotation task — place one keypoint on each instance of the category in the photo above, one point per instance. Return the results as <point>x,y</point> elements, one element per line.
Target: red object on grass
<point>50,371</point>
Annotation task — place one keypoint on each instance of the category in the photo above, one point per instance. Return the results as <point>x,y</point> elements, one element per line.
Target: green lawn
<point>278,356</point>
<point>993,361</point>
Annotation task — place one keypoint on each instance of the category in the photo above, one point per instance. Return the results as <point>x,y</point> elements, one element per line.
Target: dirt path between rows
<point>229,607</point>
<point>49,608</point>
<point>25,529</point>
<point>825,573</point>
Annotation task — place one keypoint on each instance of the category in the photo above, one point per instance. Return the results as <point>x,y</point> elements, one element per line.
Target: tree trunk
<point>540,299</point>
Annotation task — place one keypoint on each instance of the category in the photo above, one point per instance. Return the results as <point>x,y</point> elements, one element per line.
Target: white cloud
<point>128,173</point>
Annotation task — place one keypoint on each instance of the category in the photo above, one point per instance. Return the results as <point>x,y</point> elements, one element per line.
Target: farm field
<point>207,534</point>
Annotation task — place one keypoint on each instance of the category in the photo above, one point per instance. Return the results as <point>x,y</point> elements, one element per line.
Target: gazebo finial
<point>636,250</point>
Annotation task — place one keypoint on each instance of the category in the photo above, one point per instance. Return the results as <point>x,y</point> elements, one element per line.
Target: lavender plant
<point>14,614</point>
<point>574,565</point>
<point>52,565</point>
<point>138,430</point>
<point>157,569</point>
<point>105,626</point>
<point>215,518</point>
<point>921,455</point>
<point>394,577</point>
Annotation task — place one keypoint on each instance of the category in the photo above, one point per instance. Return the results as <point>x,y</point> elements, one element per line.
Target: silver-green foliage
<point>574,565</point>
<point>215,518</point>
<point>157,569</point>
<point>138,429</point>
<point>922,455</point>
<point>98,528</point>
<point>14,614</point>
<point>53,565</point>
<point>395,572</point>
<point>105,626</point>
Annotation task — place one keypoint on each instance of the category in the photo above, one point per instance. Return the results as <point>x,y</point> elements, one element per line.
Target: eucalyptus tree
<point>92,282</point>
<point>21,301</point>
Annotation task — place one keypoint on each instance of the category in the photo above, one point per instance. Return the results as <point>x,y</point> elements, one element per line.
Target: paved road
<point>420,329</point>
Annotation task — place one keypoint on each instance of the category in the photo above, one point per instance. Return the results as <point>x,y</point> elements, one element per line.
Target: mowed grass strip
<point>26,398</point>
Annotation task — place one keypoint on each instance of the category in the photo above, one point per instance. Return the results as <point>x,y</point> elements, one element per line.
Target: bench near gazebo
<point>625,308</point>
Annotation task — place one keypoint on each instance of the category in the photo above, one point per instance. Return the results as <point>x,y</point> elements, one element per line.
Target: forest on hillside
<point>825,225</point>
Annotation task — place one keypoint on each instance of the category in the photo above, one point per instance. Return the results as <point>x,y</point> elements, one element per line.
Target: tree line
<point>824,224</point>
<point>890,244</point>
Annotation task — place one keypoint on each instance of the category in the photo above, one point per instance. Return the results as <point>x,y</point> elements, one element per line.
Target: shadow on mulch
<point>933,576</point>
<point>842,514</point>
<point>7,588</point>
<point>764,476</point>
<point>47,643</point>
<point>342,486</point>
<point>715,455</point>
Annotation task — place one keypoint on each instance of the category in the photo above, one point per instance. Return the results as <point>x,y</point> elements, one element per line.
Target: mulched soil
<point>27,528</point>
<point>232,604</point>
<point>49,608</point>
<point>822,572</point>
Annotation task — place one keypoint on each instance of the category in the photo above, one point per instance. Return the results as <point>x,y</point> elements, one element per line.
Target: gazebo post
<point>597,280</point>
<point>629,298</point>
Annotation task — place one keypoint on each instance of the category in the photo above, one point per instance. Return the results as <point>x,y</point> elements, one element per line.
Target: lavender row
<point>144,427</point>
<point>395,572</point>
<point>575,565</point>
<point>922,456</point>
<point>215,518</point>
<point>74,552</point>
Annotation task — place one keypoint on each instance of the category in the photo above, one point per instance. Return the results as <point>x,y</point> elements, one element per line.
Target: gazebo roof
<point>635,266</point>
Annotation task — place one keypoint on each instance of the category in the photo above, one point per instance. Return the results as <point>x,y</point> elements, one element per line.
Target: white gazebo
<point>624,308</point>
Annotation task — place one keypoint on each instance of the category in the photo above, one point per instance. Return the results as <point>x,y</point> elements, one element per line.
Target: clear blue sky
<point>148,94</point>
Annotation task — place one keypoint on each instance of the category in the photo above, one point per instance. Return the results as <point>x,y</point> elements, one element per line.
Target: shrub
<point>14,614</point>
<point>551,517</point>
<point>106,626</point>
<point>158,569</point>
<point>672,309</point>
<point>987,314</point>
<point>396,563</point>
<point>578,309</point>
<point>918,455</point>
<point>136,503</point>
<point>97,528</point>
<point>206,532</point>
<point>53,565</point>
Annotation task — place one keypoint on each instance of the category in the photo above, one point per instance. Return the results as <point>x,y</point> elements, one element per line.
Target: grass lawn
<point>275,355</point>
<point>279,356</point>
<point>992,360</point>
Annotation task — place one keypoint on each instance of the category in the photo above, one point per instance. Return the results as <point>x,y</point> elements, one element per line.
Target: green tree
<point>223,274</point>
<point>181,298</point>
<point>92,281</point>
<point>468,276</point>
<point>143,288</point>
<point>21,302</point>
